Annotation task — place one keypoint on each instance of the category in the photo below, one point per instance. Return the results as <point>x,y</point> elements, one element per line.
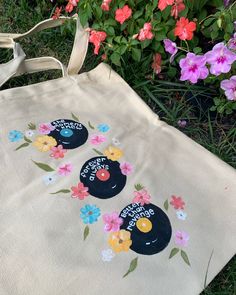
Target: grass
<point>171,101</point>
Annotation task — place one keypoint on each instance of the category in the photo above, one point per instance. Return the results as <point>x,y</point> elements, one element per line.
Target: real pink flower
<point>181,238</point>
<point>156,64</point>
<point>122,14</point>
<point>184,29</point>
<point>162,4</point>
<point>142,197</point>
<point>46,128</point>
<point>80,191</point>
<point>232,42</point>
<point>57,13</point>
<point>112,222</point>
<point>177,7</point>
<point>146,32</point>
<point>126,168</point>
<point>171,48</point>
<point>58,152</point>
<point>97,139</point>
<point>70,5</point>
<point>97,37</point>
<point>230,88</point>
<point>106,5</point>
<point>177,202</point>
<point>65,169</point>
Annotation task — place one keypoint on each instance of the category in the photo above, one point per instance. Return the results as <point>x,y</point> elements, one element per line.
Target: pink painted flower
<point>162,4</point>
<point>97,139</point>
<point>220,58</point>
<point>193,68</point>
<point>141,197</point>
<point>97,37</point>
<point>70,5</point>
<point>230,88</point>
<point>171,48</point>
<point>156,64</point>
<point>106,5</point>
<point>57,152</point>
<point>80,191</point>
<point>177,7</point>
<point>181,238</point>
<point>65,169</point>
<point>146,32</point>
<point>122,14</point>
<point>126,168</point>
<point>46,128</point>
<point>232,43</point>
<point>112,222</point>
<point>177,202</point>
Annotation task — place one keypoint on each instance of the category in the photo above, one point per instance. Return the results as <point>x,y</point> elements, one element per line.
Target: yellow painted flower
<point>113,153</point>
<point>120,241</point>
<point>44,143</point>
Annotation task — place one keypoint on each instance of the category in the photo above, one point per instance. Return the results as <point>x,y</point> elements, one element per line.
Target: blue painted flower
<point>15,135</point>
<point>103,127</point>
<point>90,213</point>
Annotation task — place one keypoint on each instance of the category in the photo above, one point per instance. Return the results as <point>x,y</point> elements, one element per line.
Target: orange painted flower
<point>120,241</point>
<point>177,7</point>
<point>122,14</point>
<point>184,29</point>
<point>156,65</point>
<point>162,4</point>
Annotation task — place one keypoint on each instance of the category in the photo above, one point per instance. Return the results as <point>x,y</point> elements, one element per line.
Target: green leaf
<point>90,125</point>
<point>63,191</point>
<point>132,267</point>
<point>31,126</point>
<point>115,58</point>
<point>110,31</point>
<point>136,54</point>
<point>43,166</point>
<point>27,139</point>
<point>98,152</point>
<point>74,117</point>
<point>22,146</point>
<point>197,50</point>
<point>185,257</point>
<point>208,21</point>
<point>138,186</point>
<point>86,232</point>
<point>166,205</point>
<point>173,252</point>
<point>98,11</point>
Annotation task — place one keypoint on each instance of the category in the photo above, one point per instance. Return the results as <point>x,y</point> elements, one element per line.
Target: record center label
<point>93,167</point>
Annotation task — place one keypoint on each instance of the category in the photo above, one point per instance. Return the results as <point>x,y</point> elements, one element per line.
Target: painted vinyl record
<point>69,133</point>
<point>103,177</point>
<point>149,226</point>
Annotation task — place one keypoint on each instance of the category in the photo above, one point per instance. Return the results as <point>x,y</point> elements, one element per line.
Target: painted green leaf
<point>166,205</point>
<point>90,125</point>
<point>75,117</point>
<point>132,267</point>
<point>86,232</point>
<point>22,146</point>
<point>138,186</point>
<point>27,139</point>
<point>31,126</point>
<point>98,152</point>
<point>44,167</point>
<point>185,257</point>
<point>173,252</point>
<point>63,191</point>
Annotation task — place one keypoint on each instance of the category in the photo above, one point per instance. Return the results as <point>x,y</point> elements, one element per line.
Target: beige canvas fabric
<point>59,244</point>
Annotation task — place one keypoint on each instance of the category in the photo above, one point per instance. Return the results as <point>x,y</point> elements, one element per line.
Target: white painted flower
<point>49,178</point>
<point>29,133</point>
<point>181,214</point>
<point>115,141</point>
<point>107,255</point>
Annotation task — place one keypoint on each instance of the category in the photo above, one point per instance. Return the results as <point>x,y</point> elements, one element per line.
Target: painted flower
<point>113,153</point>
<point>156,64</point>
<point>107,255</point>
<point>181,215</point>
<point>229,86</point>
<point>49,178</point>
<point>232,43</point>
<point>162,4</point>
<point>15,135</point>
<point>106,5</point>
<point>44,143</point>
<point>182,123</point>
<point>112,222</point>
<point>46,128</point>
<point>90,214</point>
<point>122,14</point>
<point>29,133</point>
<point>193,68</point>
<point>80,191</point>
<point>103,127</point>
<point>142,197</point>
<point>181,238</point>
<point>171,48</point>
<point>184,29</point>
<point>177,7</point>
<point>57,13</point>
<point>220,58</point>
<point>65,169</point>
<point>97,139</point>
<point>58,152</point>
<point>120,241</point>
<point>70,5</point>
<point>177,202</point>
<point>146,32</point>
<point>97,37</point>
<point>115,141</point>
<point>126,168</point>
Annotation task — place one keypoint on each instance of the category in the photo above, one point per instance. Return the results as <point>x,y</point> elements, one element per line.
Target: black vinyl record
<point>69,133</point>
<point>149,226</point>
<point>103,177</point>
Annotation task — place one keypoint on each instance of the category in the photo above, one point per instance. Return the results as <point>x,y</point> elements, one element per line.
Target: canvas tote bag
<point>98,195</point>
